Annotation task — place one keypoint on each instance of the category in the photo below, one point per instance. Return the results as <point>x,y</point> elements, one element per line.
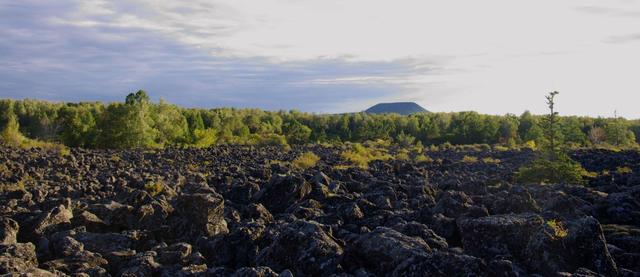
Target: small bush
<point>624,170</point>
<point>531,144</point>
<point>500,148</point>
<point>402,156</point>
<point>559,231</point>
<point>546,171</point>
<point>154,188</point>
<point>306,160</point>
<point>4,170</point>
<point>423,159</point>
<point>490,160</point>
<point>469,159</point>
<point>360,155</point>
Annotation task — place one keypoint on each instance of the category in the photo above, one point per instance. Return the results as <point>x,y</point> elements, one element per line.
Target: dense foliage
<point>553,164</point>
<point>140,123</point>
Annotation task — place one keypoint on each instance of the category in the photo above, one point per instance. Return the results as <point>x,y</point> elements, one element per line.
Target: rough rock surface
<point>242,211</point>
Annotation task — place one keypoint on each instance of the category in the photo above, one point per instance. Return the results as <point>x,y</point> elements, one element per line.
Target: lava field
<point>244,211</point>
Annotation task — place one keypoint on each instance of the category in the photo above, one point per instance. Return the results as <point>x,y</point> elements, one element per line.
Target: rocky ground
<point>232,211</point>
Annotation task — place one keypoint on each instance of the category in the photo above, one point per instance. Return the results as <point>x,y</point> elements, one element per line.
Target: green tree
<point>552,164</point>
<point>79,126</point>
<point>618,134</point>
<point>10,127</point>
<point>572,131</point>
<point>128,125</point>
<point>171,125</point>
<point>297,133</point>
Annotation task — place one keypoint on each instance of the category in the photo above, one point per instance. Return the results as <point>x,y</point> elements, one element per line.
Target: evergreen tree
<point>552,165</point>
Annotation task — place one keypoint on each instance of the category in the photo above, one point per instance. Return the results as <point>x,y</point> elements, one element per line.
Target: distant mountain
<point>403,108</point>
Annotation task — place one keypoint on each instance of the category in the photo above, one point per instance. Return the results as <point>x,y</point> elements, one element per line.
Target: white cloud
<point>494,56</point>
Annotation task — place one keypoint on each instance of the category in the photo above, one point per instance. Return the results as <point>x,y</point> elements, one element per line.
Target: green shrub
<point>402,156</point>
<point>624,170</point>
<point>490,160</point>
<point>306,160</point>
<point>559,231</point>
<point>547,171</point>
<point>469,159</point>
<point>154,188</point>
<point>552,165</point>
<point>360,155</point>
<point>423,159</point>
<point>500,148</point>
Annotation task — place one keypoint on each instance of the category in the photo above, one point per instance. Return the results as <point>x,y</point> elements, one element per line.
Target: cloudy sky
<point>328,55</point>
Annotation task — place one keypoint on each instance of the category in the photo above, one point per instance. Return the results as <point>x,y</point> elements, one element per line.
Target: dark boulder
<point>306,247</point>
<point>441,264</point>
<point>282,191</point>
<point>17,258</point>
<point>382,249</point>
<point>498,235</point>
<point>582,244</point>
<point>8,230</point>
<point>204,212</point>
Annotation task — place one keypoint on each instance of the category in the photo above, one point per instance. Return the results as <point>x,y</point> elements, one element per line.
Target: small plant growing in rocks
<point>559,231</point>
<point>423,159</point>
<point>360,155</point>
<point>154,188</point>
<point>490,160</point>
<point>624,170</point>
<point>306,160</point>
<point>469,159</point>
<point>402,155</point>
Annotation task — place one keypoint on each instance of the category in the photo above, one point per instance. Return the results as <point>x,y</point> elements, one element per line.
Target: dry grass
<point>559,231</point>
<point>306,160</point>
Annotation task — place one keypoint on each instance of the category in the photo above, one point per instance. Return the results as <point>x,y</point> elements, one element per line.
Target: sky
<point>328,56</point>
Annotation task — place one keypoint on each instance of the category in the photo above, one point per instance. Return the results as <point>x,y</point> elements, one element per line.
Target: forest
<point>140,123</point>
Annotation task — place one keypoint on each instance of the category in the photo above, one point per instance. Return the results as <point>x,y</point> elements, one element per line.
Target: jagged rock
<point>420,230</point>
<point>204,212</point>
<point>105,243</point>
<point>52,221</point>
<point>261,271</point>
<point>89,214</point>
<point>516,200</point>
<point>118,260</point>
<point>383,249</point>
<point>583,245</point>
<point>239,248</point>
<point>305,247</point>
<point>282,191</point>
<point>142,264</point>
<point>258,212</point>
<point>498,235</point>
<point>33,272</point>
<point>453,204</point>
<point>17,258</point>
<point>174,253</point>
<point>443,226</point>
<point>623,207</point>
<point>441,264</point>
<point>153,215</point>
<point>90,221</point>
<point>567,207</point>
<point>8,230</point>
<point>350,212</point>
<point>113,214</point>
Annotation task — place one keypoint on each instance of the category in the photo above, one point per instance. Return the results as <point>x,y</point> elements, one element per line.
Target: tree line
<point>139,123</point>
